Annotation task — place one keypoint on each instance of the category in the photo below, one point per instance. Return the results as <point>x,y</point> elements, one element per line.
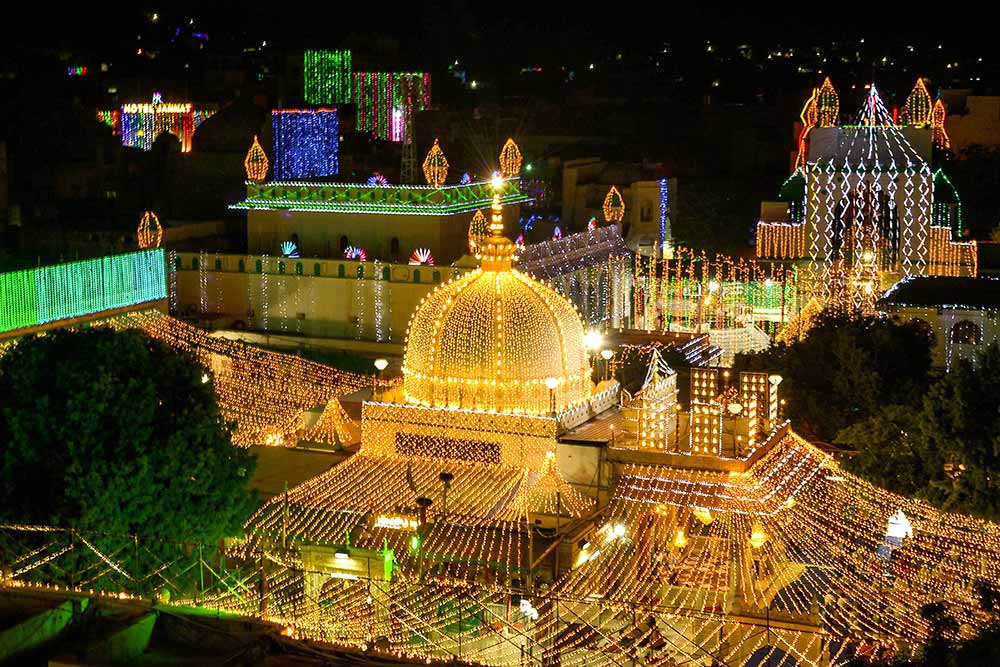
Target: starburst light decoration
<point>421,256</point>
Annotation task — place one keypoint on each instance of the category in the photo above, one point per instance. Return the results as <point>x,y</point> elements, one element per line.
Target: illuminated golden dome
<point>490,340</point>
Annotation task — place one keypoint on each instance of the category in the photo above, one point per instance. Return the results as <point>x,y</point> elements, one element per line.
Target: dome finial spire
<point>497,253</point>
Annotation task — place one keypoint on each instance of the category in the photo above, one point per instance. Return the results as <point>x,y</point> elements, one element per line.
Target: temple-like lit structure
<point>726,536</point>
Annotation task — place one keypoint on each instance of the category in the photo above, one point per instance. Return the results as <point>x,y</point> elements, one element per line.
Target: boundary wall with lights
<point>327,298</point>
<point>36,299</point>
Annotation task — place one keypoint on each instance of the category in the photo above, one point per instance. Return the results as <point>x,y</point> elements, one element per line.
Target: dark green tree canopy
<point>943,447</point>
<point>117,432</point>
<point>846,369</point>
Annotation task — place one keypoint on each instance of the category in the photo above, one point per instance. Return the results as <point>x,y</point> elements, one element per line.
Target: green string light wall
<point>327,77</point>
<point>62,291</point>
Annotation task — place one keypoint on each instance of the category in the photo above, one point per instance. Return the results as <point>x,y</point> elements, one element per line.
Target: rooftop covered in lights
<point>377,198</point>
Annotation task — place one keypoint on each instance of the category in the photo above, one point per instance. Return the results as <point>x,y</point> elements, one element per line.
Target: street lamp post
<point>380,365</point>
<point>552,383</point>
<point>606,355</point>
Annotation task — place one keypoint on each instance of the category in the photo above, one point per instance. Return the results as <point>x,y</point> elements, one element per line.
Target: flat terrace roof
<point>377,199</point>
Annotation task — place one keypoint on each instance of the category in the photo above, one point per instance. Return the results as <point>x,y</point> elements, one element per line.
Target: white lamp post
<point>552,383</point>
<point>380,365</point>
<point>606,355</point>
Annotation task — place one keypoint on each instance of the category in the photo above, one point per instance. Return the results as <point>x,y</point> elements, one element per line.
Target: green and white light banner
<point>62,291</point>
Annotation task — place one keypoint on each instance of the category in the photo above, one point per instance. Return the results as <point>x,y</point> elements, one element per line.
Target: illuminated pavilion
<point>727,537</point>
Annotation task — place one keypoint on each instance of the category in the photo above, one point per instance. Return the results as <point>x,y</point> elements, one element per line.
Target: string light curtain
<point>327,77</point>
<point>306,143</point>
<point>386,101</point>
<point>62,291</point>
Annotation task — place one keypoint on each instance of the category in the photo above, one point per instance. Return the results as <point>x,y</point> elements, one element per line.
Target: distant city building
<point>961,312</point>
<point>972,119</point>
<point>647,194</point>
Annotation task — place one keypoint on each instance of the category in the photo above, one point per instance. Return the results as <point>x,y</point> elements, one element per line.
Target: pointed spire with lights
<point>917,110</point>
<point>614,206</point>
<point>809,118</point>
<point>873,113</point>
<point>435,166</point>
<point>510,159</point>
<point>828,105</point>
<point>256,162</point>
<point>496,252</point>
<point>938,116</point>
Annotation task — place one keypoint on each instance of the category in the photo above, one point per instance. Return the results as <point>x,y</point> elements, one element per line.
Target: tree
<point>941,447</point>
<point>117,432</point>
<point>846,369</point>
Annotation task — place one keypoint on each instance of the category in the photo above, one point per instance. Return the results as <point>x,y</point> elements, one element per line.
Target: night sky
<point>483,33</point>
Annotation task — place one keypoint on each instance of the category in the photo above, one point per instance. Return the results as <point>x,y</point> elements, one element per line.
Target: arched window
<point>242,266</point>
<point>298,268</point>
<point>361,270</point>
<point>281,267</point>
<point>437,276</point>
<point>194,263</point>
<point>385,273</point>
<point>316,269</point>
<point>341,271</point>
<point>177,263</point>
<point>218,264</point>
<point>966,333</point>
<point>259,267</point>
<point>416,275</point>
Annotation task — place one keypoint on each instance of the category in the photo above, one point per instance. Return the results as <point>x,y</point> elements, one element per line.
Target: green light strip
<point>357,198</point>
<point>63,291</point>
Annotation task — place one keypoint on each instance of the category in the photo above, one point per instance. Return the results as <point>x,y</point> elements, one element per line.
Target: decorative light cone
<point>917,110</point>
<point>828,105</point>
<point>938,116</point>
<point>435,166</point>
<point>256,162</point>
<point>510,159</point>
<point>479,229</point>
<point>150,233</point>
<point>614,206</point>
